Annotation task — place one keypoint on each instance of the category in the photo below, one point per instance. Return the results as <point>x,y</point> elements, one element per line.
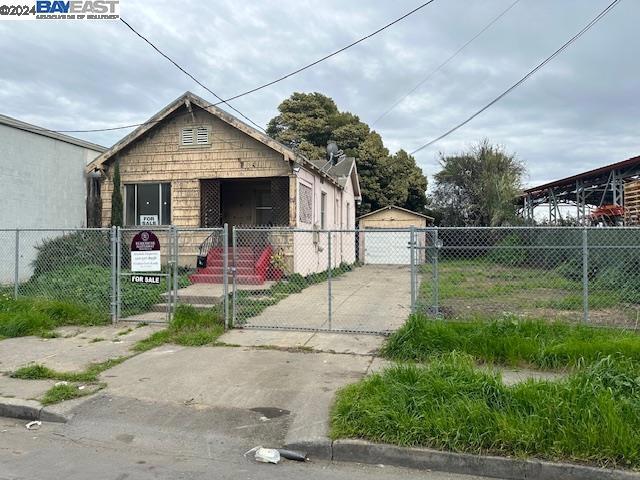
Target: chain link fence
<point>365,281</point>
<point>559,274</point>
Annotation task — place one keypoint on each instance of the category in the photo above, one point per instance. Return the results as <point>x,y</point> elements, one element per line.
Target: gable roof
<point>186,100</point>
<point>342,171</point>
<point>27,127</point>
<point>395,207</point>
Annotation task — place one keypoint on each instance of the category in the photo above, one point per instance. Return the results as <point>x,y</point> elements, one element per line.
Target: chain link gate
<point>319,280</point>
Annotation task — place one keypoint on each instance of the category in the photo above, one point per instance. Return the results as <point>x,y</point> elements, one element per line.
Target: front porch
<point>246,202</point>
<point>261,202</point>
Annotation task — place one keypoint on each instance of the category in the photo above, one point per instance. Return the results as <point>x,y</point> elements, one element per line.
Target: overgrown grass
<point>188,327</point>
<point>90,285</point>
<point>30,316</point>
<point>90,374</point>
<point>591,416</point>
<point>510,341</point>
<point>60,393</point>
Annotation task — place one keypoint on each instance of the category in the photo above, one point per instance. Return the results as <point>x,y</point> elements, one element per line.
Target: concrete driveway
<point>371,298</point>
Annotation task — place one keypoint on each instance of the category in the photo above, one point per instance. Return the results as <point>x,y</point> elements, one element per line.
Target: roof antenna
<point>334,155</point>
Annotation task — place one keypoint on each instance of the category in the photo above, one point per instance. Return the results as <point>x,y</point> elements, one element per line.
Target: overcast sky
<point>581,111</point>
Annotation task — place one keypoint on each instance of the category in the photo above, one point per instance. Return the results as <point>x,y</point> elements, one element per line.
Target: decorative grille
<point>210,216</point>
<point>305,204</point>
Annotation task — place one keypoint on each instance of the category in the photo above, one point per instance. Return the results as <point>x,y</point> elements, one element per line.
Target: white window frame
<point>323,210</point>
<point>348,216</point>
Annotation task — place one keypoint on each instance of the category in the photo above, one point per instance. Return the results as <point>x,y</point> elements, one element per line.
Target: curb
<point>361,451</point>
<point>29,410</point>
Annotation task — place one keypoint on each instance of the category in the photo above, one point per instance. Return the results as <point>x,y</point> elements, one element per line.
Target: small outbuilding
<point>385,236</point>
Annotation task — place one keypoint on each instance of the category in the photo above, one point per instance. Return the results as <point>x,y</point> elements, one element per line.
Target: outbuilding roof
<point>395,207</point>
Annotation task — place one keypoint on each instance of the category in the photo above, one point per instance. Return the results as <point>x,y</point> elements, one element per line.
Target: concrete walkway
<point>298,385</point>
<point>72,351</point>
<point>372,298</point>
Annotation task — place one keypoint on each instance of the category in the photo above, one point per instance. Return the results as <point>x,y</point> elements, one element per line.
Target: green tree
<point>478,187</point>
<point>309,120</point>
<point>116,198</point>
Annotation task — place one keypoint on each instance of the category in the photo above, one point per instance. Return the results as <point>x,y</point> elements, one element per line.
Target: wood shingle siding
<point>159,156</point>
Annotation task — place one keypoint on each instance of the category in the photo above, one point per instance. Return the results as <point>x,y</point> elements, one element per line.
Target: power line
<point>333,54</point>
<point>226,102</point>
<point>443,64</point>
<point>525,78</point>
<point>259,87</point>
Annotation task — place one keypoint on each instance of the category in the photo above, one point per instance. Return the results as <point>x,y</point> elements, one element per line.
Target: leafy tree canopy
<point>309,120</point>
<point>478,187</point>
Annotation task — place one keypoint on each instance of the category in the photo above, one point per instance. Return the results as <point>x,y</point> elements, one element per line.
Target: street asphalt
<point>112,438</point>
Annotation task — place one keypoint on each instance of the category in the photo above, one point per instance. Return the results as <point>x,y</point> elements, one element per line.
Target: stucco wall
<point>311,248</point>
<point>41,186</point>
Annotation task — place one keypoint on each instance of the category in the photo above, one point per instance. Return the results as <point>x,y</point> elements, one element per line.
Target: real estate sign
<point>145,252</point>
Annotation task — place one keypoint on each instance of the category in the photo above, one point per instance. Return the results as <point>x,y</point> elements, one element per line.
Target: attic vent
<point>187,136</point>
<point>202,136</point>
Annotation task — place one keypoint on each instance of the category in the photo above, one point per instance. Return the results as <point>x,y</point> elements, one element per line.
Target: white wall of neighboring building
<point>42,185</point>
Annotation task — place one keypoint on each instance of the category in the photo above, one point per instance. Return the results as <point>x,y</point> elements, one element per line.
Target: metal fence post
<point>16,273</point>
<point>435,278</point>
<point>329,305</point>
<point>412,255</point>
<point>225,273</point>
<point>585,275</point>
<point>118,273</point>
<point>176,256</point>
<point>234,269</point>
<point>114,275</point>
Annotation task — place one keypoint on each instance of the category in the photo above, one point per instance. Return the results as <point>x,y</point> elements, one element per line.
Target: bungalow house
<point>193,165</point>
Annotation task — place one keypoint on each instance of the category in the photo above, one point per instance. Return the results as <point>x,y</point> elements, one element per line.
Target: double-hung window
<point>323,211</point>
<point>147,204</point>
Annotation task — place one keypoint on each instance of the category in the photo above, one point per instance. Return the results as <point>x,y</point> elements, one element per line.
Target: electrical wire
<point>226,102</point>
<point>443,64</point>
<point>523,79</point>
<point>259,87</point>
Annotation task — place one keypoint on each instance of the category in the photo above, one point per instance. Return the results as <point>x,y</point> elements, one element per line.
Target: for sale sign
<point>145,252</point>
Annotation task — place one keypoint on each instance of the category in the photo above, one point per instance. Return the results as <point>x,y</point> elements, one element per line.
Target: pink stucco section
<point>311,253</point>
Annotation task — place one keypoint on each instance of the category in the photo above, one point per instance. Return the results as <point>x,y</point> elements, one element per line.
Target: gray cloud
<point>581,111</point>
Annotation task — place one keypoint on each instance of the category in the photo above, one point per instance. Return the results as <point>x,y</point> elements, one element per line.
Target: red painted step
<point>240,279</point>
<point>252,265</point>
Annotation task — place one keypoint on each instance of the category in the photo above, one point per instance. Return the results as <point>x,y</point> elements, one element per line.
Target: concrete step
<point>208,300</point>
<point>162,307</point>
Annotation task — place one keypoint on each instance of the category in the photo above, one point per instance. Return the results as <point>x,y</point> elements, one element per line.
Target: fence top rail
<point>537,227</point>
<point>68,229</point>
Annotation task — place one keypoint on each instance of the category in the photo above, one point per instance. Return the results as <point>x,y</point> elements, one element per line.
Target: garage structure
<point>385,235</point>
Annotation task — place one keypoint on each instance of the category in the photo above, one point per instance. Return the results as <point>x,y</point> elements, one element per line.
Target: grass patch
<point>60,393</point>
<point>189,327</point>
<point>90,285</point>
<point>510,341</point>
<point>31,316</point>
<point>90,374</point>
<point>592,416</point>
